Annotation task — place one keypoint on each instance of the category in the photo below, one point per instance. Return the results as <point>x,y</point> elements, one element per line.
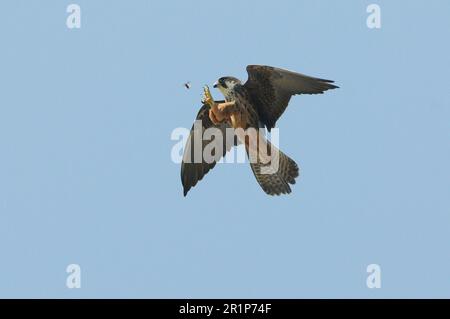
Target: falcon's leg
<point>213,118</point>
<point>215,111</point>
<point>219,112</point>
<point>227,108</point>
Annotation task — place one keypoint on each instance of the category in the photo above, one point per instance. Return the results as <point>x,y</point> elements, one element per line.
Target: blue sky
<point>86,175</point>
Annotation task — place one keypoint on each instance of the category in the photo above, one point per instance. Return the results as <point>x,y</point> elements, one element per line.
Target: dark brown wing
<point>193,167</point>
<point>272,88</point>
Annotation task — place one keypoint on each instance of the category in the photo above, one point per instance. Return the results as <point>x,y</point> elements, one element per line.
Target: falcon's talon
<point>207,97</point>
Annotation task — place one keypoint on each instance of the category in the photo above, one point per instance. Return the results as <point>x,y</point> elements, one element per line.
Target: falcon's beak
<point>215,85</point>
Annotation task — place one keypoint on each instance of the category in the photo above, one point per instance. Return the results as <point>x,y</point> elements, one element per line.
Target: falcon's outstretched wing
<point>271,89</point>
<point>192,172</point>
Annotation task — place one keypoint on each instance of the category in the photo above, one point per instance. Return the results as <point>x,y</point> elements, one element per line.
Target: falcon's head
<point>226,84</point>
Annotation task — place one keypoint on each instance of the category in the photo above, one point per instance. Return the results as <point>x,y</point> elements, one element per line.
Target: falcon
<point>250,107</point>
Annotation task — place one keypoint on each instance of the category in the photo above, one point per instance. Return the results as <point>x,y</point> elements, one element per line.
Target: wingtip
<point>330,85</point>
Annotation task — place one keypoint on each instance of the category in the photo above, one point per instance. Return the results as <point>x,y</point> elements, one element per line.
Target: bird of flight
<point>249,107</point>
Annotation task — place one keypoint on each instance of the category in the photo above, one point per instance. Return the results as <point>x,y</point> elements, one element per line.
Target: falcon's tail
<point>275,177</point>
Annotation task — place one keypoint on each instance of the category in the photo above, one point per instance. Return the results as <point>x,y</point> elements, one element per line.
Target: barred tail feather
<point>275,179</point>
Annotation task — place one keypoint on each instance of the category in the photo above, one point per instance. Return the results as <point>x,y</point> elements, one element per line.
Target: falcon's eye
<point>223,83</point>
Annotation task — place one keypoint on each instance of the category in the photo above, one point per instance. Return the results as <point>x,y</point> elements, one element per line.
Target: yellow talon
<point>207,97</point>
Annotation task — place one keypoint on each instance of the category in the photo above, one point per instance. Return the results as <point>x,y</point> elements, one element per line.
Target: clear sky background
<point>86,175</point>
